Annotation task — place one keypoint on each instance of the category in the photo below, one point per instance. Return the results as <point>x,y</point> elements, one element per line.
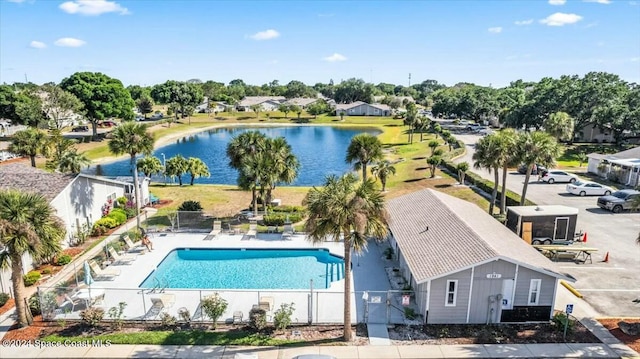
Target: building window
<point>452,293</point>
<point>534,291</point>
<point>112,196</point>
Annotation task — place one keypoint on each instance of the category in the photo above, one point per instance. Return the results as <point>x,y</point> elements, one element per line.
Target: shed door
<point>526,232</point>
<point>561,229</point>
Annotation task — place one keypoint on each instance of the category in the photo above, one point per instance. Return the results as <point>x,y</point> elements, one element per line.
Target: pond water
<point>321,150</point>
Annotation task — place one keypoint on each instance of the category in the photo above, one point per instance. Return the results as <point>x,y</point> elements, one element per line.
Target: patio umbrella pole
<point>75,270</point>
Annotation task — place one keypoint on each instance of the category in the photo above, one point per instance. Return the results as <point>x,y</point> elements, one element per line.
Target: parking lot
<point>612,287</point>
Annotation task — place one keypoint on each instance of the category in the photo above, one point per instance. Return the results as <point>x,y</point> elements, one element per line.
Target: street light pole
<point>164,172</point>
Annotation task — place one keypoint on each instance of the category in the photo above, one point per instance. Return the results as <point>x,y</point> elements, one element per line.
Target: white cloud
<point>37,44</point>
<point>524,22</point>
<point>265,35</point>
<point>69,42</point>
<point>336,57</point>
<point>561,19</point>
<point>557,2</point>
<point>495,30</point>
<point>92,7</point>
<point>605,2</point>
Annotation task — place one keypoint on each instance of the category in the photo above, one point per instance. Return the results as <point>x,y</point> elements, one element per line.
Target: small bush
<point>34,304</point>
<point>410,313</point>
<point>63,259</point>
<point>46,271</point>
<point>107,222</point>
<point>190,206</point>
<point>214,306</point>
<point>257,318</point>
<point>31,278</point>
<point>92,316</point>
<point>119,215</point>
<point>168,321</point>
<point>4,297</point>
<point>130,211</point>
<point>560,319</point>
<point>185,316</point>
<point>121,202</point>
<point>299,209</point>
<point>278,219</point>
<point>282,316</point>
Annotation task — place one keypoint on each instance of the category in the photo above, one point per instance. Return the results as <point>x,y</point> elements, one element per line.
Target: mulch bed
<point>611,324</point>
<point>7,306</point>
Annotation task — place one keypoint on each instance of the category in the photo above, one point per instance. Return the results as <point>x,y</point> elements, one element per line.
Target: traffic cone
<point>606,258</point>
<point>584,238</point>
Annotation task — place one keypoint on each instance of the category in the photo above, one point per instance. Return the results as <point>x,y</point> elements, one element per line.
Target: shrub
<point>121,202</point>
<point>34,304</point>
<point>299,209</point>
<point>168,321</point>
<point>130,211</point>
<point>185,316</point>
<point>92,316</point>
<point>46,271</point>
<point>107,222</point>
<point>282,316</point>
<point>214,306</point>
<point>278,219</point>
<point>115,313</point>
<point>410,313</point>
<point>257,318</point>
<point>31,278</point>
<point>63,259</point>
<point>119,215</point>
<point>4,297</point>
<point>560,319</point>
<point>191,206</point>
<point>44,304</point>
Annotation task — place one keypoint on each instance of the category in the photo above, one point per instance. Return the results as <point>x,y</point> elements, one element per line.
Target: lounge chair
<point>287,232</point>
<point>253,229</point>
<point>109,273</point>
<point>266,303</point>
<point>73,301</point>
<point>134,247</point>
<point>121,259</point>
<point>161,303</point>
<point>217,228</point>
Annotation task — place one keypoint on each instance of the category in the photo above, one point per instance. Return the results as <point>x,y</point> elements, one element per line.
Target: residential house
<point>218,106</point>
<point>360,108</point>
<point>591,133</point>
<point>464,266</point>
<point>268,103</point>
<point>78,200</point>
<point>622,167</point>
<point>303,102</point>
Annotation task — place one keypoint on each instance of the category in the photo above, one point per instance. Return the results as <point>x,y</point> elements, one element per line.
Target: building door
<point>507,294</point>
<point>561,230</point>
<point>526,231</point>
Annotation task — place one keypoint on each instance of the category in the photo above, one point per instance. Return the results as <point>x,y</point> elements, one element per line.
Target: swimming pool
<point>207,268</point>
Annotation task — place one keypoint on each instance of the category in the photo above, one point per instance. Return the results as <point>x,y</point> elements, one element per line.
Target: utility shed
<point>543,224</point>
<point>465,266</point>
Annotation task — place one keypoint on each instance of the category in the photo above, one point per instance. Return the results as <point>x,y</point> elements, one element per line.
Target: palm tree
<point>149,166</point>
<point>364,149</point>
<point>353,209</point>
<point>197,168</point>
<point>410,120</point>
<point>462,168</point>
<point>30,142</point>
<point>28,224</point>
<point>242,149</point>
<point>559,125</point>
<point>72,162</point>
<point>536,147</point>
<point>487,155</point>
<point>176,166</point>
<point>132,138</point>
<point>422,125</point>
<point>58,146</point>
<point>383,170</point>
<point>434,162</point>
<point>283,165</point>
<point>508,139</point>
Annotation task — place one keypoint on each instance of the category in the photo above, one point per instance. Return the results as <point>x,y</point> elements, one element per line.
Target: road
<point>610,287</point>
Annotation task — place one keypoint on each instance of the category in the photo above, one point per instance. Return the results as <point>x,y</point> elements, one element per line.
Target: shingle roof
<point>346,106</point>
<point>256,100</point>
<point>628,154</point>
<point>25,178</point>
<point>439,234</point>
<point>302,101</point>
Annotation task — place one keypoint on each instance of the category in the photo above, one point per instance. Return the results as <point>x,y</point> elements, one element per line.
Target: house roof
<point>380,106</point>
<point>439,234</point>
<point>302,101</point>
<point>346,106</point>
<point>550,210</point>
<point>632,153</point>
<point>256,100</point>
<point>23,177</point>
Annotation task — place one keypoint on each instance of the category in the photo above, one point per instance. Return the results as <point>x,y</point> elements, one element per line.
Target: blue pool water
<point>320,150</point>
<point>246,269</point>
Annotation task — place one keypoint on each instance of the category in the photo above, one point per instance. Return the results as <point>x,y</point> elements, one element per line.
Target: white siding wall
<point>592,165</point>
<point>547,287</point>
<point>441,314</point>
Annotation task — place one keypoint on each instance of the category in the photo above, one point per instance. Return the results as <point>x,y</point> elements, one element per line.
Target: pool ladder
<point>160,285</point>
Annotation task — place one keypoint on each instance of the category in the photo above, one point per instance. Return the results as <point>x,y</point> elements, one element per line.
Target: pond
<point>321,151</point>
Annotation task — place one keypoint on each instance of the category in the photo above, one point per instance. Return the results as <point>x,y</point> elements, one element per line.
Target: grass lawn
<point>570,157</point>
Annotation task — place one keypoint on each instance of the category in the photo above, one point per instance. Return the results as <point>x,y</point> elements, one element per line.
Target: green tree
<point>8,99</point>
<point>297,110</point>
<point>462,169</point>
<point>257,109</point>
<point>28,225</point>
<point>176,166</point>
<point>434,162</point>
<point>30,142</point>
<point>149,166</point>
<point>145,105</point>
<point>59,105</point>
<point>410,119</point>
<point>317,108</point>
<point>72,162</point>
<point>536,147</point>
<point>101,96</point>
<point>58,146</point>
<point>560,126</point>
<point>180,95</point>
<point>29,109</point>
<point>282,166</point>
<point>508,139</point>
<point>197,168</point>
<point>133,139</point>
<point>349,208</point>
<point>285,108</point>
<point>433,145</point>
<point>363,150</point>
<point>487,155</point>
<point>382,170</point>
<point>137,91</point>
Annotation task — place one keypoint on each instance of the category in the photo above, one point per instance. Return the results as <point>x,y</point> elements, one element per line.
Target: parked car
<point>522,169</point>
<point>619,200</point>
<point>108,123</point>
<point>559,176</point>
<point>80,129</point>
<point>588,188</point>
<point>474,127</point>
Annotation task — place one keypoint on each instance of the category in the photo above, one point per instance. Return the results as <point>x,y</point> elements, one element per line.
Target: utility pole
<point>25,78</point>
<point>409,79</point>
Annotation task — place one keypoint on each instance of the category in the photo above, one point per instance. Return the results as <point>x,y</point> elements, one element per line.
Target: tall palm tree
<point>363,150</point>
<point>462,168</point>
<point>29,142</point>
<point>284,165</point>
<point>149,166</point>
<point>132,138</point>
<point>242,149</point>
<point>197,168</point>
<point>487,155</point>
<point>28,224</point>
<point>176,166</point>
<point>383,170</point>
<point>536,147</point>
<point>410,120</point>
<point>72,162</point>
<point>508,139</point>
<point>353,209</point>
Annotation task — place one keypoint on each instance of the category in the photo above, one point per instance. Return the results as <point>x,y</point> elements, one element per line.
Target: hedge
<point>279,218</point>
<point>513,199</point>
<point>287,209</point>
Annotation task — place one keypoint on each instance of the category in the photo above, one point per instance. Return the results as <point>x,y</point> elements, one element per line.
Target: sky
<point>489,43</point>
